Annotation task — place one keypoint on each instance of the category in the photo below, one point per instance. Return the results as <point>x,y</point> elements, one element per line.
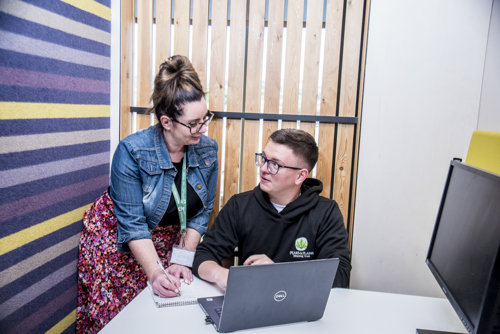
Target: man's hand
<point>257,259</point>
<point>210,271</point>
<point>178,271</point>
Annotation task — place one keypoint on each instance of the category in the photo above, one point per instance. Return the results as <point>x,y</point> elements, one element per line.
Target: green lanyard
<point>181,201</point>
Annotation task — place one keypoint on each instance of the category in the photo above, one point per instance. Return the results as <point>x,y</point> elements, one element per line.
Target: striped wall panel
<point>54,152</point>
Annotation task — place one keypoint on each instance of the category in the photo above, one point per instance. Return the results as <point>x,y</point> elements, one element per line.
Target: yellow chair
<point>484,151</point>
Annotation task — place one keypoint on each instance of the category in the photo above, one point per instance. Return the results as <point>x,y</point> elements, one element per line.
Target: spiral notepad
<point>187,297</point>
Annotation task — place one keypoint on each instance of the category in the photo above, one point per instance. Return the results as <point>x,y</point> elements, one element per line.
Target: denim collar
<point>164,155</point>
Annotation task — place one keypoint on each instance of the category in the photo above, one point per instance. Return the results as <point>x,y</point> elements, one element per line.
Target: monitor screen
<point>465,244</point>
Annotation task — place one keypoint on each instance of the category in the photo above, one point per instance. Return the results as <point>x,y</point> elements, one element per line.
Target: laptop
<point>271,294</point>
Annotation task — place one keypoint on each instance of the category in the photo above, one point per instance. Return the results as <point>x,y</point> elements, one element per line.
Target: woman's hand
<point>162,285</point>
<point>179,271</point>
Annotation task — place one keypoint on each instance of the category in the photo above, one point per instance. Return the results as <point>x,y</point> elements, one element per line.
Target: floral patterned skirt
<point>108,280</point>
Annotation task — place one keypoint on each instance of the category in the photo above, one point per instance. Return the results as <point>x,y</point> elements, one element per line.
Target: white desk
<point>348,311</point>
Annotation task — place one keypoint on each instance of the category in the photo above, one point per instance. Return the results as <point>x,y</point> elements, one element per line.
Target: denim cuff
<point>122,240</point>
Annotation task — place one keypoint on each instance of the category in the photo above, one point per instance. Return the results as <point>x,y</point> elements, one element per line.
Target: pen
<point>176,290</point>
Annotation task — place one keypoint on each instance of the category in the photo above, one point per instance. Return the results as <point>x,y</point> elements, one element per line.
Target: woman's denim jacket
<point>142,175</point>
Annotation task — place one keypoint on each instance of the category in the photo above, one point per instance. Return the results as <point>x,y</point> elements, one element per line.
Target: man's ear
<point>302,176</point>
<point>166,122</point>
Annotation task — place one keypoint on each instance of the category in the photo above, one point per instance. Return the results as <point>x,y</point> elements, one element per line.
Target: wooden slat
<point>218,54</point>
<point>360,108</point>
<point>273,65</point>
<point>343,164</point>
<point>274,56</point>
<point>216,87</point>
<point>333,35</point>
<point>350,57</point>
<point>309,104</point>
<point>181,27</point>
<point>127,66</point>
<point>144,46</point>
<point>253,92</point>
<point>331,60</point>
<point>295,18</point>
<point>215,132</point>
<point>163,24</point>
<point>348,98</point>
<point>326,142</point>
<point>232,159</point>
<point>235,97</point>
<point>200,37</point>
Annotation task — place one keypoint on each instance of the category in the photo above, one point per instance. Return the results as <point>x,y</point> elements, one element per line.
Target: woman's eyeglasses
<point>272,166</point>
<point>196,127</point>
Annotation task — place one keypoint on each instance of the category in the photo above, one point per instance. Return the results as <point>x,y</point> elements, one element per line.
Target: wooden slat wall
<point>127,67</point>
<point>253,92</point>
<point>311,62</point>
<point>326,138</point>
<point>200,41</point>
<point>144,67</point>
<point>236,76</point>
<point>276,20</point>
<point>163,31</point>
<point>348,99</point>
<point>241,89</point>
<point>360,105</point>
<point>181,27</point>
<point>291,84</point>
<point>217,83</point>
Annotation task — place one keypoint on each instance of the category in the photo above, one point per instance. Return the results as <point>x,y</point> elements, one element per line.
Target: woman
<point>163,181</point>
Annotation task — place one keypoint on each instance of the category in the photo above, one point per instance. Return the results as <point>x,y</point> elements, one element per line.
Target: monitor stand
<point>429,331</point>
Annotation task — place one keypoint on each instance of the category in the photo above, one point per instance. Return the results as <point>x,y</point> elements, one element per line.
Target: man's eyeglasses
<point>196,127</point>
<point>272,166</point>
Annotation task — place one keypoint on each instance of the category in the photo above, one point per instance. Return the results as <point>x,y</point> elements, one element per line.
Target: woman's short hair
<point>302,144</point>
<point>176,84</point>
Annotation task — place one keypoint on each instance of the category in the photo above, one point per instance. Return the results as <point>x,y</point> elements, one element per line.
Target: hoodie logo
<point>301,244</point>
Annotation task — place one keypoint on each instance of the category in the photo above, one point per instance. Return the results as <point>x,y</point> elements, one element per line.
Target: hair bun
<point>176,84</point>
<point>175,66</point>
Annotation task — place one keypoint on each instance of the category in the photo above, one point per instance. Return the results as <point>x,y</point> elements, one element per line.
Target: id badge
<point>182,256</point>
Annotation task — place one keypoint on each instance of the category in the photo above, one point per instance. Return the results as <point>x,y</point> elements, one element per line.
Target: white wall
<point>489,112</point>
<point>424,72</point>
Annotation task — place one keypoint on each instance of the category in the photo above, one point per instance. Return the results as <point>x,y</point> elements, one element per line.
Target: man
<point>283,219</point>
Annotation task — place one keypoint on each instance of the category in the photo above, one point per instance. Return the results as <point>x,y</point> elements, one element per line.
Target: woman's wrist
<point>154,274</point>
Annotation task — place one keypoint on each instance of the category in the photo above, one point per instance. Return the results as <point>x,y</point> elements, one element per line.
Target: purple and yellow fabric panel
<point>54,152</point>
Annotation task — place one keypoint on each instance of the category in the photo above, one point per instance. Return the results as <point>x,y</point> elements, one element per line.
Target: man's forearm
<point>210,271</point>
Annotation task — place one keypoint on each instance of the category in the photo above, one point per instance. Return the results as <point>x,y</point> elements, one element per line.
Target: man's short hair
<point>302,144</point>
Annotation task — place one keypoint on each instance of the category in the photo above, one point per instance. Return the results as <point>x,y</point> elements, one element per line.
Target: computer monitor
<point>464,250</point>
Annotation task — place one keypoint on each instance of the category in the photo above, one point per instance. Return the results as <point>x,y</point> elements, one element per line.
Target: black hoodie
<point>311,227</point>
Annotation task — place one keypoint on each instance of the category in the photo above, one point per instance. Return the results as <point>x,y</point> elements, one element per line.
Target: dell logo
<point>280,295</point>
